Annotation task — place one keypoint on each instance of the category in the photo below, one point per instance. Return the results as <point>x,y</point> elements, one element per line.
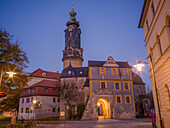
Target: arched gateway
<point>103,106</point>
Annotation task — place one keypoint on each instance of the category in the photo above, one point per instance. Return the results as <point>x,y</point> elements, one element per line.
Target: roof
<point>143,14</point>
<point>74,72</point>
<point>45,83</point>
<point>45,74</point>
<point>137,79</point>
<point>100,64</point>
<point>39,89</point>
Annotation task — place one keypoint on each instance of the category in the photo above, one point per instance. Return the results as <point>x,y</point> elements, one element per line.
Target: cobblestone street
<point>109,123</point>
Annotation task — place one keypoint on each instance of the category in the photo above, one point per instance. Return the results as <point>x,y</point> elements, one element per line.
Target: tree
<point>12,58</point>
<point>68,91</point>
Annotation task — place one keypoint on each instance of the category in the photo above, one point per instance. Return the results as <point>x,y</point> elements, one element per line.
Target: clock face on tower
<point>69,29</point>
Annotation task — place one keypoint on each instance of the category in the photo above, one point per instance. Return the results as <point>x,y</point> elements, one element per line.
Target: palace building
<point>108,89</point>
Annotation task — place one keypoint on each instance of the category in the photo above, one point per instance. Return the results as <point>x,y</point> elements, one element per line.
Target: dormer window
<point>33,90</point>
<point>46,90</point>
<point>29,90</point>
<point>24,91</point>
<point>54,91</point>
<point>69,72</point>
<point>44,74</point>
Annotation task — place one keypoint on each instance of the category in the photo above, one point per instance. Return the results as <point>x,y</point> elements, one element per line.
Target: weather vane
<point>73,7</point>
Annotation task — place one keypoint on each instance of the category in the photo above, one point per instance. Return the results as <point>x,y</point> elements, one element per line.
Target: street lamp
<point>139,66</point>
<point>11,74</point>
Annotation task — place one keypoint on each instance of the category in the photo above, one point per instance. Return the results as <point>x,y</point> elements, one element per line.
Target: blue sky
<point>109,28</point>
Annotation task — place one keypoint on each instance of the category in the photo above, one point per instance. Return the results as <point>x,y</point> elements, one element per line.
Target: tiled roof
<point>39,89</point>
<point>100,64</point>
<point>50,75</point>
<point>75,72</point>
<point>137,79</point>
<point>45,83</point>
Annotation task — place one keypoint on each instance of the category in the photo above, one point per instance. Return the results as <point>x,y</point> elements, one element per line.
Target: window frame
<point>124,71</point>
<point>115,85</point>
<point>101,84</point>
<point>112,71</point>
<point>124,85</point>
<point>103,69</point>
<point>120,99</point>
<point>129,99</point>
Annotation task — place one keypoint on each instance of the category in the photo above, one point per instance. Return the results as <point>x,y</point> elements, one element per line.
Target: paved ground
<point>109,123</point>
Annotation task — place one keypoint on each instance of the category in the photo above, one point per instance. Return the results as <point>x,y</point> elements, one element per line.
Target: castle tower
<point>73,52</point>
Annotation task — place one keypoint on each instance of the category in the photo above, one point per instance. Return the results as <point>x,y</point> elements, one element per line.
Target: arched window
<point>159,42</point>
<point>167,95</point>
<point>147,24</point>
<point>159,99</point>
<point>167,20</point>
<point>153,9</point>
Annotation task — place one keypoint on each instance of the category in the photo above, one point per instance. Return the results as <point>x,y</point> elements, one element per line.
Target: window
<point>117,86</point>
<point>24,91</point>
<point>58,100</point>
<point>33,90</point>
<point>53,109</point>
<point>69,72</point>
<point>29,90</point>
<point>23,100</point>
<point>126,86</point>
<point>114,71</point>
<point>167,93</point>
<point>53,99</point>
<point>159,99</point>
<point>125,72</point>
<point>31,99</point>
<point>44,74</point>
<point>22,110</point>
<point>81,72</point>
<point>46,90</point>
<point>127,99</point>
<point>27,100</point>
<point>153,9</point>
<point>102,71</point>
<point>59,109</point>
<point>54,91</point>
<point>118,99</point>
<point>27,110</point>
<point>103,85</point>
<point>62,113</point>
<point>147,24</point>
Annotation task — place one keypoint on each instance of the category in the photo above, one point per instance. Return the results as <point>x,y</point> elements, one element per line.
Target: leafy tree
<point>12,58</point>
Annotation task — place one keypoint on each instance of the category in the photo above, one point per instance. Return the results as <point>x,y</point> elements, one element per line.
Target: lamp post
<point>139,67</point>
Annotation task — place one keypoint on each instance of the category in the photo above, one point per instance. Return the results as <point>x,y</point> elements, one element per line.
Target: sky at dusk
<point>109,28</point>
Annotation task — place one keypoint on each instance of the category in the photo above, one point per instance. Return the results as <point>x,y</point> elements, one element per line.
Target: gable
<point>45,74</point>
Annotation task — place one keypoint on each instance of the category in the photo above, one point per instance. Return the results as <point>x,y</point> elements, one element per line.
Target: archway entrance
<point>103,106</point>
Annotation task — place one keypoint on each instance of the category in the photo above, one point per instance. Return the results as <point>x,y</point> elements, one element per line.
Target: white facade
<point>50,107</point>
